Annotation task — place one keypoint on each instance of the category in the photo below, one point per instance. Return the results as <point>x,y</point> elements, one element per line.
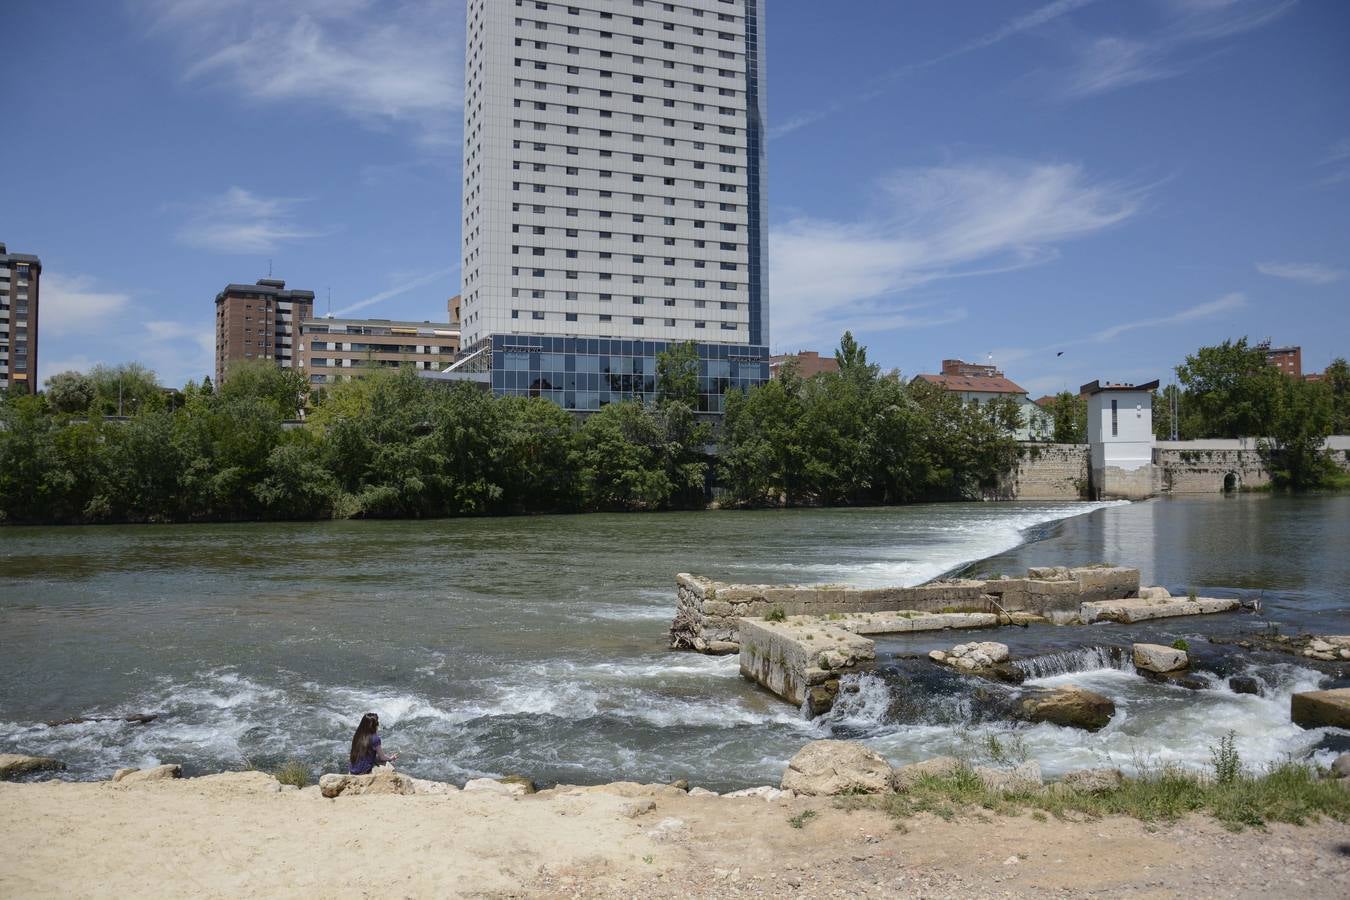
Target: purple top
<point>363,765</point>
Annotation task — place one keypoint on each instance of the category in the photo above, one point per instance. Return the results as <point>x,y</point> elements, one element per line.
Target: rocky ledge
<point>13,765</point>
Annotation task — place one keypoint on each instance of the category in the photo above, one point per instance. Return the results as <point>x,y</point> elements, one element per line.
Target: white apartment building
<point>613,167</point>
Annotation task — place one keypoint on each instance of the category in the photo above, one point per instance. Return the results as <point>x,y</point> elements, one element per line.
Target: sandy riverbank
<point>236,835</point>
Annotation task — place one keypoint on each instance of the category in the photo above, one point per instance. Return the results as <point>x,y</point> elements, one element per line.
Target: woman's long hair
<point>370,723</point>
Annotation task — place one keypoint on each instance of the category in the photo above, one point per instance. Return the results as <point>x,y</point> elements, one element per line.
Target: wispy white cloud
<point>1041,15</point>
<point>1210,309</point>
<point>1336,158</point>
<point>931,224</point>
<point>382,63</point>
<point>71,305</point>
<point>1225,304</point>
<point>401,288</point>
<point>1190,32</point>
<point>1305,272</point>
<point>239,221</point>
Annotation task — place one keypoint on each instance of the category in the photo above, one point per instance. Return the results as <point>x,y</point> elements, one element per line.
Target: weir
<point>798,640</point>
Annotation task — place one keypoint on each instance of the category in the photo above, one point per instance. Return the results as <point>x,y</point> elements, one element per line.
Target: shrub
<point>775,615</point>
<point>1181,644</point>
<point>1227,762</point>
<point>294,772</point>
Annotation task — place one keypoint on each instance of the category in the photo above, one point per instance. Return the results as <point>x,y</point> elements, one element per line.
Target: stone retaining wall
<point>1050,472</point>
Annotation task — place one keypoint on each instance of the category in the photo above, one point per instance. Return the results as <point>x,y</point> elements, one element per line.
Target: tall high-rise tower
<point>20,274</point>
<point>613,199</point>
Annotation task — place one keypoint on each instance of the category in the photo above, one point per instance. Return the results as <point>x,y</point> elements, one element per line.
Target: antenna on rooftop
<point>269,267</point>
<point>330,301</point>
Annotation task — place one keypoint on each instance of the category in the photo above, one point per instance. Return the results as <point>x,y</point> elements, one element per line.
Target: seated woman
<point>366,752</point>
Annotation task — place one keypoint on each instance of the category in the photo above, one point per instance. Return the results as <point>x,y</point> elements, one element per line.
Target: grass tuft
<point>293,772</point>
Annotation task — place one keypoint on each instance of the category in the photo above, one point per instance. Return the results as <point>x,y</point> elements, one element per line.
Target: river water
<point>537,645</point>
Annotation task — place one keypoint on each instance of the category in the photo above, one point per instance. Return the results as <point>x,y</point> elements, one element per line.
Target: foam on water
<point>942,546</point>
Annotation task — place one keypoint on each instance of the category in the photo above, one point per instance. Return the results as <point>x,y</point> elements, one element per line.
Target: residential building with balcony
<point>259,321</point>
<point>20,275</point>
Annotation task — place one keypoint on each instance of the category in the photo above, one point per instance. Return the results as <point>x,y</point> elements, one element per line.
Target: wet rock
<point>1070,706</point>
<point>1022,779</point>
<point>828,768</point>
<point>1244,684</point>
<point>13,765</point>
<point>165,772</point>
<point>721,648</point>
<point>976,656</point>
<point>1340,767</point>
<point>1157,658</point>
<point>1317,709</point>
<point>1093,781</point>
<point>383,782</point>
<point>820,698</point>
<point>906,777</point>
<point>136,719</point>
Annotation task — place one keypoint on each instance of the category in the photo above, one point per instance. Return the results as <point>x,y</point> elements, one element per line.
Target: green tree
<point>619,459</point>
<point>258,379</point>
<point>1295,451</point>
<point>1231,391</point>
<point>124,390</point>
<point>677,375</point>
<point>1337,380</point>
<point>70,392</point>
<point>1068,414</point>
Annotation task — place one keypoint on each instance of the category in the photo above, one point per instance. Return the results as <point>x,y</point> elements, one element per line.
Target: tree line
<point>112,445</point>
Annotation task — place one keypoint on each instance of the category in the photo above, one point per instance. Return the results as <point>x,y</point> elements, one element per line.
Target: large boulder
<point>937,767</point>
<point>1340,766</point>
<point>12,765</point>
<point>1069,706</point>
<point>1319,709</point>
<point>383,782</point>
<point>166,772</point>
<point>1160,659</point>
<point>827,768</point>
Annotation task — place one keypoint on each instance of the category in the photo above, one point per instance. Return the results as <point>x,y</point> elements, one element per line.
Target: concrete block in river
<point>790,657</point>
<point>1139,609</point>
<point>1319,709</point>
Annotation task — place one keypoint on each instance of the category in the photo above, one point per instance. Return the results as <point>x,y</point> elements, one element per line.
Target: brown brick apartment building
<point>259,321</point>
<point>1289,360</point>
<point>331,349</point>
<point>809,363</point>
<point>19,277</point>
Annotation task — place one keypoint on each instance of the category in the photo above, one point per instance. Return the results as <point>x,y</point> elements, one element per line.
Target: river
<point>537,645</point>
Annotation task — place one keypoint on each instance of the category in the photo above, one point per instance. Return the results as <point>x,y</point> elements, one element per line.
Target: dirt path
<point>229,836</point>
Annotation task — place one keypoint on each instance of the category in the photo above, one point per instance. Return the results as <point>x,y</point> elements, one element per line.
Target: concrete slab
<point>1140,609</point>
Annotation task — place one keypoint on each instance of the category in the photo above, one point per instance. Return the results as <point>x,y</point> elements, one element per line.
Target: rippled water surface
<point>537,645</point>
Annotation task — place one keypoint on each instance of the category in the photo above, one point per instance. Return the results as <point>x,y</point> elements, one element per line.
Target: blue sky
<point>1120,181</point>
